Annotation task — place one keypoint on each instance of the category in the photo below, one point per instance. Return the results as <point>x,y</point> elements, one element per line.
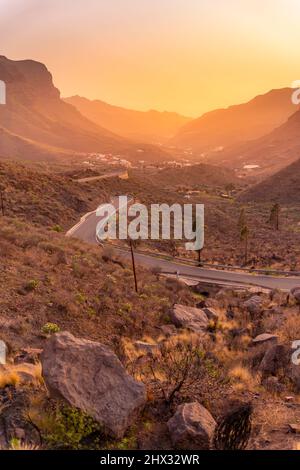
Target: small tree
<point>274,216</point>
<point>242,222</point>
<point>229,188</point>
<point>244,234</point>
<point>198,251</point>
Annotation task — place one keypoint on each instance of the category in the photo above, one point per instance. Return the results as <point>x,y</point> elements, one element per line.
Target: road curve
<point>86,231</point>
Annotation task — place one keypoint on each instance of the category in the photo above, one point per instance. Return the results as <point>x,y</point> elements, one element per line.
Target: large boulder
<point>189,317</point>
<point>264,338</point>
<point>254,305</point>
<point>89,376</point>
<point>296,294</point>
<point>278,360</point>
<point>211,314</point>
<point>192,427</point>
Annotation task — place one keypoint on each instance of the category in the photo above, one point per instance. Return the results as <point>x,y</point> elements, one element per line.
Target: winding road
<point>86,231</point>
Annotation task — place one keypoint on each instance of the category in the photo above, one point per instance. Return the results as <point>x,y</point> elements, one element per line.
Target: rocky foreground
<point>226,366</point>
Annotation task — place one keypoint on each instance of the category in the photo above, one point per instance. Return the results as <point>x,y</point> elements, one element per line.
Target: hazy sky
<point>188,56</point>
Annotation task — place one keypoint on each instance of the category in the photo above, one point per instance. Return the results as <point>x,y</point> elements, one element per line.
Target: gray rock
<point>192,427</point>
<point>211,314</point>
<point>168,330</point>
<point>294,428</point>
<point>278,360</point>
<point>189,317</point>
<point>254,304</point>
<point>296,293</point>
<point>265,338</point>
<point>275,358</point>
<point>273,385</point>
<point>89,376</point>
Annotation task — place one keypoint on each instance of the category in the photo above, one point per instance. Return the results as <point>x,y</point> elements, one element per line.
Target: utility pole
<point>199,257</point>
<point>133,266</point>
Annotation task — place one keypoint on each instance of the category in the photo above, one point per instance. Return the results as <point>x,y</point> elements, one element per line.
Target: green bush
<point>31,285</point>
<point>50,328</point>
<point>57,228</point>
<point>69,429</point>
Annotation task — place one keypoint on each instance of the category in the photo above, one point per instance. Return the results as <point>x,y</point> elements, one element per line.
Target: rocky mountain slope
<point>223,128</point>
<point>270,153</point>
<point>145,126</point>
<point>282,187</point>
<point>35,111</point>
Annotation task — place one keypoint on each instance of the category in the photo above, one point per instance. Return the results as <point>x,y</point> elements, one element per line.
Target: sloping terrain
<point>147,126</point>
<point>225,127</point>
<point>21,148</point>
<point>35,111</point>
<point>201,174</point>
<point>283,187</point>
<point>45,198</point>
<point>271,152</point>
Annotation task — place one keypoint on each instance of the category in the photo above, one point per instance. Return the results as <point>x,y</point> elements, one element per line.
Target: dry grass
<point>243,379</point>
<point>290,329</point>
<point>86,294</point>
<point>9,377</point>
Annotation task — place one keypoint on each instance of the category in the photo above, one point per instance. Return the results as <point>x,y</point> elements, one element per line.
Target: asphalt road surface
<point>86,231</point>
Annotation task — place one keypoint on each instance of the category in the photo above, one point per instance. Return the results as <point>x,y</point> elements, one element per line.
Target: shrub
<point>182,367</point>
<point>50,328</point>
<point>16,444</point>
<point>9,378</point>
<point>31,285</point>
<point>57,228</point>
<point>64,427</point>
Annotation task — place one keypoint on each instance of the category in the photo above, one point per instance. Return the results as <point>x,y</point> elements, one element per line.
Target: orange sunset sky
<point>188,56</point>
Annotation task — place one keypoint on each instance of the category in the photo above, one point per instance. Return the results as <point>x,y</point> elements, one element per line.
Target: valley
<point>179,337</point>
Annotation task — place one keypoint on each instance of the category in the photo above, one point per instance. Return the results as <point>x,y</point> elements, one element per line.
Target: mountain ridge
<point>225,127</point>
<point>151,125</point>
<point>35,111</point>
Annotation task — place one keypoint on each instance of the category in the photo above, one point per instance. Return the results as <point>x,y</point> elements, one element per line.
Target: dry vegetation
<point>50,283</point>
<point>268,248</point>
<point>50,280</point>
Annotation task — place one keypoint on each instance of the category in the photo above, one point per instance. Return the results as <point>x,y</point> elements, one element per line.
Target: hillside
<point>226,127</point>
<point>46,198</point>
<point>53,284</point>
<point>21,148</point>
<point>201,174</point>
<point>283,187</point>
<point>147,126</point>
<point>35,111</point>
<point>271,153</point>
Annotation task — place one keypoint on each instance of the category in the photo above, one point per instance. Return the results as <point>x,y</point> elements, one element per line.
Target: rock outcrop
<point>89,376</point>
<point>189,317</point>
<point>192,427</point>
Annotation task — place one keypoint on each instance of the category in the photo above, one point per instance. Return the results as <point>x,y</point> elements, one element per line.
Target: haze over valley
<point>135,342</point>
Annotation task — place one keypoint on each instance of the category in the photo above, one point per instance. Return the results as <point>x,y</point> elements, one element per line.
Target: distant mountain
<point>271,153</point>
<point>35,111</point>
<point>282,187</point>
<point>223,128</point>
<point>148,126</point>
